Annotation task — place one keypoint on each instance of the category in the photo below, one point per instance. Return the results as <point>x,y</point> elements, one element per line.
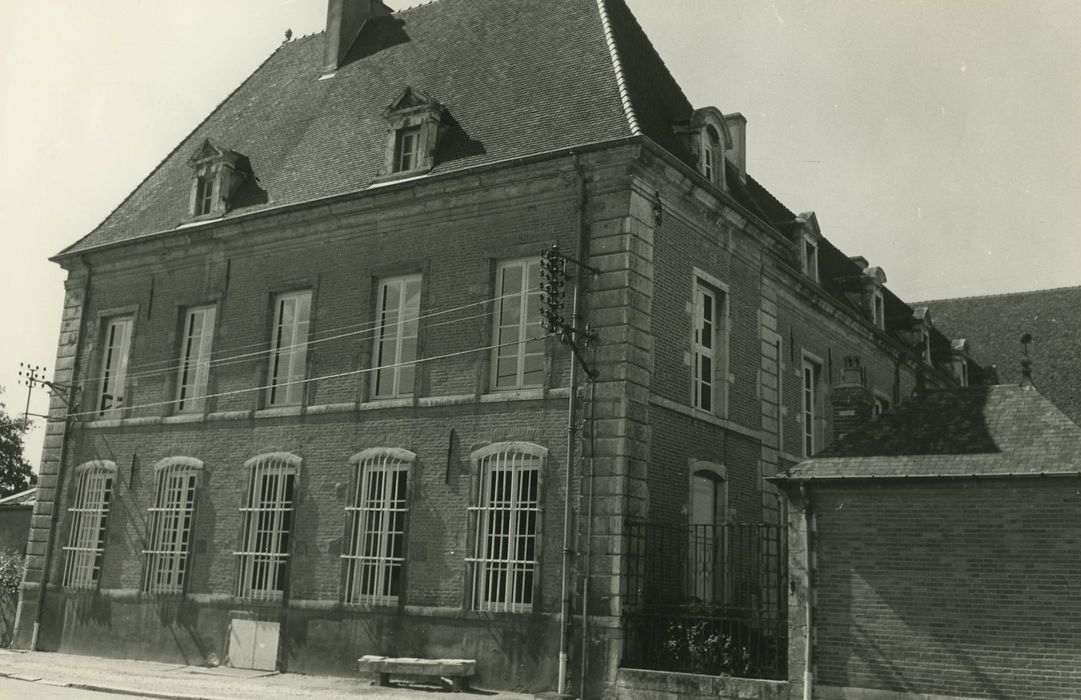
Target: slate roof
<point>997,430</point>
<point>518,77</point>
<point>993,325</point>
<point>23,499</point>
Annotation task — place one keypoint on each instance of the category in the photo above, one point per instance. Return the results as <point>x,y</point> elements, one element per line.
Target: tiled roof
<point>979,431</point>
<point>24,499</point>
<point>993,325</point>
<point>517,77</point>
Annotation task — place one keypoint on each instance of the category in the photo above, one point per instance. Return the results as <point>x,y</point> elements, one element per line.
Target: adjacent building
<point>313,412</point>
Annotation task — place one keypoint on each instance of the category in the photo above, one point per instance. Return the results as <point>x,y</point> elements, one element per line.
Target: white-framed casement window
<point>809,257</point>
<point>709,347</point>
<point>506,516</point>
<point>518,355</point>
<point>396,338</point>
<point>171,519</point>
<point>376,516</point>
<point>811,404</point>
<point>85,549</point>
<point>407,149</point>
<point>289,348</point>
<point>878,309</point>
<point>116,347</point>
<point>262,562</point>
<point>198,336</point>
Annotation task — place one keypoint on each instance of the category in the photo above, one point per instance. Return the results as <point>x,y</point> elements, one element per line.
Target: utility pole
<point>30,375</point>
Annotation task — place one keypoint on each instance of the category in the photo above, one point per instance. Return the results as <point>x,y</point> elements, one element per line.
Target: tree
<point>15,474</point>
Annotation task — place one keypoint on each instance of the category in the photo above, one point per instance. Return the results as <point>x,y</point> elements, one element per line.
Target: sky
<point>940,139</point>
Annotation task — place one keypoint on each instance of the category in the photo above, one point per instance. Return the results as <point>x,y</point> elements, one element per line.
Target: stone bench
<point>457,671</point>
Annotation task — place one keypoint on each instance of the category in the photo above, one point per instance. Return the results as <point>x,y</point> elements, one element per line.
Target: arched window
<point>376,516</point>
<point>506,520</point>
<point>708,536</point>
<point>171,519</point>
<point>268,522</point>
<point>710,155</point>
<point>85,550</point>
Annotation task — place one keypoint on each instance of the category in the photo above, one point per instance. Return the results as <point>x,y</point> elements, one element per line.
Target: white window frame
<point>878,308</point>
<point>505,566</point>
<point>395,353</point>
<point>809,263</point>
<point>705,287</point>
<point>810,403</point>
<point>84,554</point>
<point>194,373</point>
<point>115,353</point>
<point>529,333</point>
<point>262,564</point>
<point>375,556</point>
<point>407,159</point>
<point>171,518</point>
<point>206,183</point>
<point>289,349</point>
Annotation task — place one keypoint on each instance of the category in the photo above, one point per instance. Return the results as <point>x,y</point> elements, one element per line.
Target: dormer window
<point>707,138</point>
<point>960,351</point>
<point>878,309</point>
<point>711,148</point>
<point>809,258</point>
<point>219,173</point>
<point>415,121</point>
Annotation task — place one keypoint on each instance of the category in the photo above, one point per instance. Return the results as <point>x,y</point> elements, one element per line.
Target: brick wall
<point>955,588</point>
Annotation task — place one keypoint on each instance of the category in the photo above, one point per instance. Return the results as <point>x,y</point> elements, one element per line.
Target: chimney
<point>345,19</point>
<point>737,127</point>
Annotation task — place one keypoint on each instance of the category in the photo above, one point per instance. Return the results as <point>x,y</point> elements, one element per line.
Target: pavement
<point>177,682</point>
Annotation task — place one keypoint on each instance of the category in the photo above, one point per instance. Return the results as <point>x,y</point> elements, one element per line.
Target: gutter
<point>808,654</point>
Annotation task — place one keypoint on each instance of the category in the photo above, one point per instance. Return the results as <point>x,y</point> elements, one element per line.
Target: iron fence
<point>707,599</point>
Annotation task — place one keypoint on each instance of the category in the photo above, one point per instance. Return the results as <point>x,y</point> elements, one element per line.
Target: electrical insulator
<point>553,289</point>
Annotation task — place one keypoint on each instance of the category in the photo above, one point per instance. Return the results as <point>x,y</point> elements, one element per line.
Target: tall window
<point>708,349</point>
<point>114,365</point>
<point>268,520</point>
<point>507,516</point>
<point>376,549</point>
<point>204,194</point>
<point>711,147</point>
<point>707,537</point>
<point>878,309</point>
<point>927,347</point>
<point>396,342</point>
<point>195,359</point>
<point>89,516</point>
<point>812,371</point>
<point>169,540</point>
<point>810,258</point>
<point>407,149</point>
<point>518,359</point>
<point>289,348</point>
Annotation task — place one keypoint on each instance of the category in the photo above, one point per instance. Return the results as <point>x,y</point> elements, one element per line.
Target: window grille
<point>268,519</point>
<point>517,361</point>
<point>377,514</point>
<point>89,516</point>
<point>396,343</point>
<point>195,359</point>
<point>114,365</point>
<point>504,561</point>
<point>289,348</point>
<point>171,518</point>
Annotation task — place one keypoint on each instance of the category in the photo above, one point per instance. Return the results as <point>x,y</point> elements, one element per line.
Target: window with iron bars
<point>85,550</point>
<point>262,563</point>
<point>506,521</point>
<point>171,518</point>
<point>376,536</point>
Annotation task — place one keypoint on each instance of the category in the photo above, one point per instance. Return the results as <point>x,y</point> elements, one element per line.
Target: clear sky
<point>941,139</point>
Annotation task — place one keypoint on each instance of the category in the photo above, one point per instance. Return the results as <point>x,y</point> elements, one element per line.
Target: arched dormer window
<point>506,522</point>
<point>707,138</point>
<point>85,551</point>
<point>171,520</point>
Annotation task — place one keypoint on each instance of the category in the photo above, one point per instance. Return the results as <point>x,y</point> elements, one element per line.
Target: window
<point>518,358</point>
<point>707,537</point>
<point>711,144</point>
<point>218,175</point>
<point>809,258</point>
<point>396,341</point>
<point>709,372</point>
<point>812,371</point>
<point>114,365</point>
<point>963,375</point>
<point>927,347</point>
<point>195,359</point>
<point>204,194</point>
<point>376,536</point>
<point>881,405</point>
<point>507,517</point>
<point>289,348</point>
<point>171,518</point>
<point>89,516</point>
<point>268,520</point>
<point>406,150</point>
<point>878,309</point>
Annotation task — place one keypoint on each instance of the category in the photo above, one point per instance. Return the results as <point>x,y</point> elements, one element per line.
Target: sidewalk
<point>157,680</point>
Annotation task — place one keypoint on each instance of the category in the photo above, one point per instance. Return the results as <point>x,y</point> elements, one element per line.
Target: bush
<point>11,576</point>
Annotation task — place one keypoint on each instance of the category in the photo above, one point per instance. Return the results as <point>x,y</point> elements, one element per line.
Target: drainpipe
<point>572,428</point>
<point>55,516</point>
<point>808,658</point>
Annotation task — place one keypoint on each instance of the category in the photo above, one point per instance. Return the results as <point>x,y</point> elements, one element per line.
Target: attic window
<point>878,309</point>
<point>219,173</point>
<point>809,257</point>
<point>415,121</point>
<point>711,148</point>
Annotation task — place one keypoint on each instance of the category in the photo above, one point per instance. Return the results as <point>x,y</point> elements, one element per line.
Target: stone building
<point>313,413</point>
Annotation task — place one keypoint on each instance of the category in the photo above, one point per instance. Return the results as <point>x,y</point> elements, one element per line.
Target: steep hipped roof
<point>517,77</point>
<point>1004,430</point>
<point>993,325</point>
